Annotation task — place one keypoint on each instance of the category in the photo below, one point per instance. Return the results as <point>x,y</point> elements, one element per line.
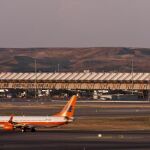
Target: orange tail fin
<point>69,108</point>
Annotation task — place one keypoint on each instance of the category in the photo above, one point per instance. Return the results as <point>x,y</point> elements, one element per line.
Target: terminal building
<point>83,81</point>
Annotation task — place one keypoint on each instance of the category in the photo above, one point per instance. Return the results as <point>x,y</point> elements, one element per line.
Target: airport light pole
<point>148,87</point>
<point>35,67</point>
<point>58,68</point>
<point>132,71</point>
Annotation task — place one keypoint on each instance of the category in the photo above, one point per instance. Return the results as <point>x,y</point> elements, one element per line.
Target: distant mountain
<point>74,59</point>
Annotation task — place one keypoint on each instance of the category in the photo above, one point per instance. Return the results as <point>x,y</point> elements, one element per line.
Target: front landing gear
<point>33,130</point>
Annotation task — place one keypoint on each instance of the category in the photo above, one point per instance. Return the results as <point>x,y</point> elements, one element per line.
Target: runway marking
<point>118,137</point>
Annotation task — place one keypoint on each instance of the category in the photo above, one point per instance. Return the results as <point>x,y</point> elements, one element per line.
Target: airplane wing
<point>23,127</point>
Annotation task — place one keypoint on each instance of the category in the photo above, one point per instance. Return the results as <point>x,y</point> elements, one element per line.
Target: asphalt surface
<point>72,140</point>
<point>67,139</point>
<point>96,110</point>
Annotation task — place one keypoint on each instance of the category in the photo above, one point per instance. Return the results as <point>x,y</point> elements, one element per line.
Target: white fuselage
<point>35,120</point>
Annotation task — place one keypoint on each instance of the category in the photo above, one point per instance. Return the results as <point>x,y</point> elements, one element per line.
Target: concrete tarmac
<point>97,112</point>
<point>82,109</point>
<point>75,140</point>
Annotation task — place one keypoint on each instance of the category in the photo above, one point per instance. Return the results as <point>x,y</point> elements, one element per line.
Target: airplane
<point>30,123</point>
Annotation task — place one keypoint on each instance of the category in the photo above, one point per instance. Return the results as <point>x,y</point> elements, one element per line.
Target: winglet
<point>69,108</point>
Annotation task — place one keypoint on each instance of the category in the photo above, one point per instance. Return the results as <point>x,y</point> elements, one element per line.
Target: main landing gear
<point>25,129</point>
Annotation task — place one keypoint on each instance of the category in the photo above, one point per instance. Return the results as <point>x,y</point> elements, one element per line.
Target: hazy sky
<point>74,23</point>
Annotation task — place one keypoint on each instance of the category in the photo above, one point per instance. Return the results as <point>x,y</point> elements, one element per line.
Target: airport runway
<point>83,109</point>
<point>96,112</point>
<point>75,140</point>
<point>65,138</point>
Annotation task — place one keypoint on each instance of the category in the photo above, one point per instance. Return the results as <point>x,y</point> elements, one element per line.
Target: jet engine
<point>8,127</point>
